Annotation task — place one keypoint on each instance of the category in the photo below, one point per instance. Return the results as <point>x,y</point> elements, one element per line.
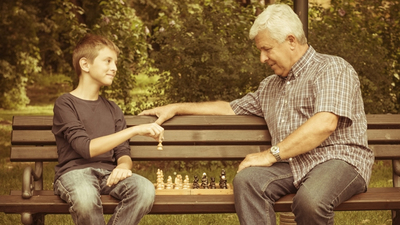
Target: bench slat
<point>149,153</point>
<point>375,121</point>
<point>383,121</point>
<point>45,201</point>
<point>183,137</point>
<point>186,137</point>
<point>194,121</point>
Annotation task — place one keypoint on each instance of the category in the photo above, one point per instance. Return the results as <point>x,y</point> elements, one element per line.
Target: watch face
<point>275,149</point>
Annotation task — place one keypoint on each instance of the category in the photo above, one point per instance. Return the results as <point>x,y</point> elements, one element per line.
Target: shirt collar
<point>299,67</point>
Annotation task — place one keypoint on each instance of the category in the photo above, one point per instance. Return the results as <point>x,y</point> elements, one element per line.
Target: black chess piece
<point>212,183</point>
<point>196,182</point>
<point>204,181</point>
<point>222,183</point>
<point>223,173</point>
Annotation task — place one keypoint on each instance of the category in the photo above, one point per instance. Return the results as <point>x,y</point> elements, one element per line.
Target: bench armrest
<point>28,178</point>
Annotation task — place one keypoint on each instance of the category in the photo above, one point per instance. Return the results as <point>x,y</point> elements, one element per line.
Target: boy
<point>92,143</point>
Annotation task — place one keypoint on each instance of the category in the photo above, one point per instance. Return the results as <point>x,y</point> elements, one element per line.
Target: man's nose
<point>263,58</point>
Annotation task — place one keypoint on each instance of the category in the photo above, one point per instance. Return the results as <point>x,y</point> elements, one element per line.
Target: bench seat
<point>186,138</point>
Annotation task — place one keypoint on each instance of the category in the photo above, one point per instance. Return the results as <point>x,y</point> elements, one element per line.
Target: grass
<point>11,174</point>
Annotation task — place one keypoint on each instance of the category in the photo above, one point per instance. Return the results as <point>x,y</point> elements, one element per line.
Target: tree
<point>357,33</point>
<point>205,53</point>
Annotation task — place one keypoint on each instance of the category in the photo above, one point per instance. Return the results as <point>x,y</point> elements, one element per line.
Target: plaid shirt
<point>316,83</point>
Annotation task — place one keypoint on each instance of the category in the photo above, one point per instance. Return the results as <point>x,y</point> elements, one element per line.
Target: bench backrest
<point>193,137</point>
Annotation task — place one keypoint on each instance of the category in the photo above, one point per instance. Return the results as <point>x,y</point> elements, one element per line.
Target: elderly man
<point>314,111</point>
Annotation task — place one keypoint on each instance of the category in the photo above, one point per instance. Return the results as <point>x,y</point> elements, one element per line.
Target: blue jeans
<point>82,188</point>
<point>326,186</point>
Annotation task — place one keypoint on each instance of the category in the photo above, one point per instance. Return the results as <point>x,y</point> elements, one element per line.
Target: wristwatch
<point>275,153</point>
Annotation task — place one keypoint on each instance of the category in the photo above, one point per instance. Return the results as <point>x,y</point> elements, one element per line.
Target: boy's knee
<point>143,189</point>
<point>86,203</point>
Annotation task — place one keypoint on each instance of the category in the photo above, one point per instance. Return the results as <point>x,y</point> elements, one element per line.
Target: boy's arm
<point>104,144</point>
<point>122,171</point>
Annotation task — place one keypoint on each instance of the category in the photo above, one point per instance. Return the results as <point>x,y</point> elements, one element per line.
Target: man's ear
<point>84,64</point>
<point>292,41</point>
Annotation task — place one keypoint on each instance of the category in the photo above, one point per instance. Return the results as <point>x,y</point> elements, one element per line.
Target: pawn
<point>186,183</point>
<point>196,182</point>
<point>212,183</point>
<point>159,146</point>
<point>169,183</point>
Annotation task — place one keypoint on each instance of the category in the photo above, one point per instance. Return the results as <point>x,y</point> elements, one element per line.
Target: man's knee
<point>309,205</point>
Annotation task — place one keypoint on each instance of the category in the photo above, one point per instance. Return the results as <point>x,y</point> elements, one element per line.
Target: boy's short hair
<point>89,47</point>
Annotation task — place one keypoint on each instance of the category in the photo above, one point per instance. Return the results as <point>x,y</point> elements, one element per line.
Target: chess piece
<point>223,173</point>
<point>160,139</point>
<point>204,181</point>
<point>186,184</point>
<point>169,184</point>
<point>212,183</point>
<point>222,183</point>
<point>160,180</point>
<point>196,182</point>
<point>178,182</point>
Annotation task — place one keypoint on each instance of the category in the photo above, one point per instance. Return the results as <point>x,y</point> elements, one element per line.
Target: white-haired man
<point>314,111</point>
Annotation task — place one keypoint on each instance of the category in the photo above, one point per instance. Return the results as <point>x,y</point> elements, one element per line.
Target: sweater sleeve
<point>120,124</point>
<point>68,129</point>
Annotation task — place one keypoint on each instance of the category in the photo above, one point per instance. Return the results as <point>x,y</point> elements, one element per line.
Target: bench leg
<point>396,217</point>
<point>396,183</point>
<point>29,219</point>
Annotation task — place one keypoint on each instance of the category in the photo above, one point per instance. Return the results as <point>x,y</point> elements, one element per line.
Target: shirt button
<point>288,82</point>
<point>282,121</point>
<point>290,159</point>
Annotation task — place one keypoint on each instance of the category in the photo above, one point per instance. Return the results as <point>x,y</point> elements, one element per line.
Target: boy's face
<point>104,67</point>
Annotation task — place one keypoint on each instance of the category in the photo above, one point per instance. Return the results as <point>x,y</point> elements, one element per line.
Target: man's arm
<point>166,112</point>
<point>307,137</point>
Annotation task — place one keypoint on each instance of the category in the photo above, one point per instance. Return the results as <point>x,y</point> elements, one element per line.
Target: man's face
<point>276,55</point>
<point>104,67</point>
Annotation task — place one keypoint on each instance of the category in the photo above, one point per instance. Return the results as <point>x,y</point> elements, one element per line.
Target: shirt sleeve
<point>120,124</point>
<point>68,128</point>
<point>336,89</point>
<point>250,103</point>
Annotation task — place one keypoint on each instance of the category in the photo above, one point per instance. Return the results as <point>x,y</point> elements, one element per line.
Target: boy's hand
<point>150,130</point>
<point>117,175</point>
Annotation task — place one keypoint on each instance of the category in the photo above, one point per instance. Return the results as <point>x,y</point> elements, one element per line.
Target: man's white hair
<point>280,21</point>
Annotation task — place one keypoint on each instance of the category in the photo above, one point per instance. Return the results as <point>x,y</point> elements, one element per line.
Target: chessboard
<point>198,186</point>
<point>190,191</point>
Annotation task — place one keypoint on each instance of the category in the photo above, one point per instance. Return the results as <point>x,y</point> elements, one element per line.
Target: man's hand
<point>117,175</point>
<point>163,113</point>
<point>257,159</point>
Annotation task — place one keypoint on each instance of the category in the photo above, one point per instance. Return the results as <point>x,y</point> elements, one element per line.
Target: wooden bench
<point>186,138</point>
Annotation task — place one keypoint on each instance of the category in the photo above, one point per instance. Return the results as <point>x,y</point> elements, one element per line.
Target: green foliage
<point>199,49</point>
<point>359,33</point>
<point>19,53</point>
<point>203,52</point>
<point>123,27</point>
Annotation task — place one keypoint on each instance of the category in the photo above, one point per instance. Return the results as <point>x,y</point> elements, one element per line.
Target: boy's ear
<point>84,64</point>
